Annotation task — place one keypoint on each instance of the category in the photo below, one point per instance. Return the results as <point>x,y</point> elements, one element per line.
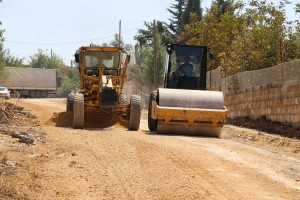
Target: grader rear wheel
<point>135,113</point>
<point>78,111</point>
<point>70,102</point>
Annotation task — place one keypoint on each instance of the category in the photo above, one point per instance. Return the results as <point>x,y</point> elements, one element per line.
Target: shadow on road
<point>93,119</point>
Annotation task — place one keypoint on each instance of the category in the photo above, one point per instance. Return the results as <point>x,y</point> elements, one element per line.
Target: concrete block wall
<point>272,93</point>
<point>279,102</point>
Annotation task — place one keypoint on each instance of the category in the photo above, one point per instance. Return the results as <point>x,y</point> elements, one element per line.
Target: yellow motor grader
<point>102,76</point>
<point>183,106</point>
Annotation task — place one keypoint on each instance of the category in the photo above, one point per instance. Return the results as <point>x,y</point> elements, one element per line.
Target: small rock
<point>9,163</point>
<point>74,162</point>
<point>28,139</point>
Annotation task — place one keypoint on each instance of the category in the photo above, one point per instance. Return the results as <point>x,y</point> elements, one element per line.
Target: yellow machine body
<point>102,77</point>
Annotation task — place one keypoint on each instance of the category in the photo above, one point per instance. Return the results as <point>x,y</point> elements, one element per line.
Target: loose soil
<point>106,161</point>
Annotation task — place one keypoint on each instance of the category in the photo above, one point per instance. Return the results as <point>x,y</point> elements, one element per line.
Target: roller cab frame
<point>183,106</point>
<point>102,76</point>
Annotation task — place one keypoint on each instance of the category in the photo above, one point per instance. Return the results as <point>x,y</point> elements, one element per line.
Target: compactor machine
<point>102,76</point>
<point>184,106</point>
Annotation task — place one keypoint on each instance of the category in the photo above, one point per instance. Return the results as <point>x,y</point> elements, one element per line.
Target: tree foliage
<point>70,81</point>
<point>176,11</point>
<point>143,71</point>
<point>117,42</point>
<point>223,6</point>
<point>3,75</point>
<point>12,61</point>
<point>145,36</point>
<point>192,6</point>
<point>245,36</point>
<point>42,60</point>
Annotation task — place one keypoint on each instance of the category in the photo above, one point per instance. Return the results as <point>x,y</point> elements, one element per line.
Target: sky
<point>62,26</point>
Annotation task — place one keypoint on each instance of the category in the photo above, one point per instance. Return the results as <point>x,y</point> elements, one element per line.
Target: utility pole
<point>119,33</point>
<point>155,55</point>
<point>51,59</point>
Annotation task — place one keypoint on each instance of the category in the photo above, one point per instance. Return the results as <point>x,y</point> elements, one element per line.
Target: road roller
<point>183,105</point>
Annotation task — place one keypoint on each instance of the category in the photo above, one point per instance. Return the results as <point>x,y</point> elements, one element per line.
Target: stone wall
<point>272,93</point>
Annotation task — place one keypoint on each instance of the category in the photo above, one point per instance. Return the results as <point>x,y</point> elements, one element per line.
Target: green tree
<point>216,32</point>
<point>143,73</point>
<point>266,31</point>
<point>42,60</point>
<point>117,42</point>
<point>3,75</point>
<point>297,8</point>
<point>192,6</point>
<point>176,11</point>
<point>223,6</point>
<point>245,39</point>
<point>12,61</point>
<point>297,32</point>
<point>70,81</point>
<point>145,36</point>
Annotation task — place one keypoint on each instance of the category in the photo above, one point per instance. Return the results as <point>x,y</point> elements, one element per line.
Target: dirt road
<point>113,163</point>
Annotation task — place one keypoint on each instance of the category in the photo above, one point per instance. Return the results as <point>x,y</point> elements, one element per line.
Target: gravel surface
<point>106,161</point>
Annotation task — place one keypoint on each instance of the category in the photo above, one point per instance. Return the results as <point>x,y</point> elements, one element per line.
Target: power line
<point>70,12</point>
<point>49,31</point>
<point>57,44</point>
<point>66,43</point>
<point>37,16</point>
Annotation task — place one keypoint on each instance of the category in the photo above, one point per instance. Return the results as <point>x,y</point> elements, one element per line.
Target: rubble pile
<point>15,115</point>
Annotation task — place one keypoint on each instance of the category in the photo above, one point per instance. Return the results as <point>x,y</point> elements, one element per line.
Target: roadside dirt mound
<point>93,119</point>
<point>266,126</point>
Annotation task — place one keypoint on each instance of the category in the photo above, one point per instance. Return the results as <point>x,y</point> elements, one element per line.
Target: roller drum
<point>195,99</point>
<point>191,99</point>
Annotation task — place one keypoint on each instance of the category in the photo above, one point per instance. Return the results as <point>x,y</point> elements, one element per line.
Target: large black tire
<point>152,123</point>
<point>135,113</point>
<point>78,111</point>
<point>70,102</point>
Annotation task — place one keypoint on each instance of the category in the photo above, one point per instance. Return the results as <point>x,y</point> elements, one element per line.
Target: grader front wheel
<point>135,113</point>
<point>78,111</point>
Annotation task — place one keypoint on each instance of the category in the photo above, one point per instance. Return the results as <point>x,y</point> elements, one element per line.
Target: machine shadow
<point>93,119</point>
<point>178,135</point>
